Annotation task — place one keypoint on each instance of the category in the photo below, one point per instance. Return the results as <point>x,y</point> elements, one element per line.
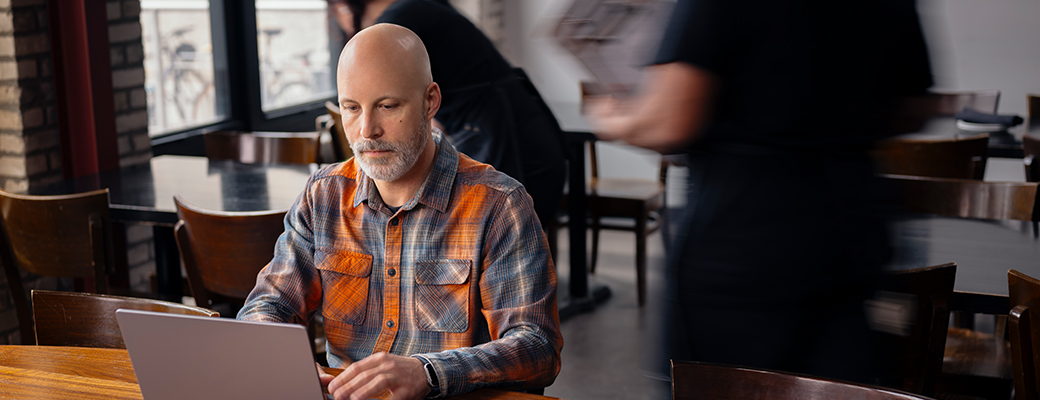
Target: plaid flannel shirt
<point>460,276</point>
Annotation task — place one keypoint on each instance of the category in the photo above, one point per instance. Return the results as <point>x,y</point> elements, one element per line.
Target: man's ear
<point>433,99</point>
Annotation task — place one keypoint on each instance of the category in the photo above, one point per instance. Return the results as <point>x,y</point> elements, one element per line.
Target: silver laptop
<point>191,357</point>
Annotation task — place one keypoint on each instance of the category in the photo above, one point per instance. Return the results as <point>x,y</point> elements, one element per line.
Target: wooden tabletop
<point>32,372</point>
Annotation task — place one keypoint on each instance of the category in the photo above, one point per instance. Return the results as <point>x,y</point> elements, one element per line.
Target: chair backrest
<point>917,343</point>
<point>1024,296</point>
<point>340,145</point>
<point>1033,126</point>
<point>947,104</point>
<point>65,236</point>
<point>953,158</point>
<point>263,147</point>
<point>965,198</point>
<point>89,320</point>
<point>704,381</point>
<point>224,251</point>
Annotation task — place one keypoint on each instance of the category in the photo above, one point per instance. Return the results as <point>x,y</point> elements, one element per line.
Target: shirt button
<point>393,222</point>
<point>391,272</point>
<point>390,324</point>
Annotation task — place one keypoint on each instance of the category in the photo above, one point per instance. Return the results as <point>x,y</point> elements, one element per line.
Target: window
<point>293,47</point>
<point>249,65</point>
<point>179,65</point>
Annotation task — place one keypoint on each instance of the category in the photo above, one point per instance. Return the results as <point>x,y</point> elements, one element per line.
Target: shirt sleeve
<point>518,294</point>
<point>288,289</point>
<point>703,33</point>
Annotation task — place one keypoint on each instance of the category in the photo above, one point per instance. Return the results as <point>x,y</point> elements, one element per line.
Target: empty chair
<point>976,362</point>
<point>951,158</point>
<point>1031,140</point>
<point>1024,324</point>
<point>704,381</point>
<point>340,145</point>
<point>263,147</point>
<point>628,204</point>
<point>65,236</point>
<point>224,251</point>
<point>949,103</point>
<point>917,343</point>
<point>89,320</point>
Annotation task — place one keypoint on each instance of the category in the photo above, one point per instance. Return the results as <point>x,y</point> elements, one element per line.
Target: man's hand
<point>402,376</point>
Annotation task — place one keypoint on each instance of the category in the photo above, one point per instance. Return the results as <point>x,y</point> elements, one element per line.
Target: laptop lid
<point>192,357</point>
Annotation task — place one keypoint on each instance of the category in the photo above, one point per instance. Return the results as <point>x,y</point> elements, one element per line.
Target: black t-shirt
<point>461,57</point>
<point>801,74</point>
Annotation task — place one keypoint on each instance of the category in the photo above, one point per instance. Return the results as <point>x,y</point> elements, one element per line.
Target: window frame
<point>234,34</point>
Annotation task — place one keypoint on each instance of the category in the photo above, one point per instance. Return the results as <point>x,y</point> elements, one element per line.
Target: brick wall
<point>30,152</point>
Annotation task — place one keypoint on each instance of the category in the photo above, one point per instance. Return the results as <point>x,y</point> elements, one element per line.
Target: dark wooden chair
<point>340,145</point>
<point>89,320</point>
<point>1024,295</point>
<point>224,251</point>
<point>627,204</point>
<point>975,362</point>
<point>917,338</point>
<point>949,103</point>
<point>1031,140</point>
<point>953,158</point>
<point>704,381</point>
<point>263,147</point>
<point>65,236</point>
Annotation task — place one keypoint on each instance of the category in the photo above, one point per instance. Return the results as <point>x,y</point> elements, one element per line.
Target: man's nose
<point>370,126</point>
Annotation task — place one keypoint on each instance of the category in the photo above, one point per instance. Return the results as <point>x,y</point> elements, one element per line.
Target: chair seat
<point>976,353</point>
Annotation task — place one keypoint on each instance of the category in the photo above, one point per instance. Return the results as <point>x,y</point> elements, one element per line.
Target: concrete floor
<point>608,351</point>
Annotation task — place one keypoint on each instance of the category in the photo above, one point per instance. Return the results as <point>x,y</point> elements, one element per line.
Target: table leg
<point>579,299</point>
<point>167,264</point>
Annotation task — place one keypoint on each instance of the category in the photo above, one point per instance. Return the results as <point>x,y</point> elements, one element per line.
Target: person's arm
<point>518,293</point>
<point>288,289</point>
<point>669,112</point>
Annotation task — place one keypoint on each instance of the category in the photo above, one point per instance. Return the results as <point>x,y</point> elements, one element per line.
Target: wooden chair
<point>975,362</point>
<point>224,251</point>
<point>1031,140</point>
<point>704,381</point>
<point>65,236</point>
<point>340,145</point>
<point>949,103</point>
<point>918,338</point>
<point>1024,294</point>
<point>263,147</point>
<point>952,158</point>
<point>626,204</point>
<point>89,320</point>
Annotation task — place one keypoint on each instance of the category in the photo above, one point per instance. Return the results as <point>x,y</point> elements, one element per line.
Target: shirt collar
<point>434,192</point>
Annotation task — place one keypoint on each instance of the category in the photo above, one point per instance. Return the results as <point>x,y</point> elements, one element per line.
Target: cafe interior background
<point>173,77</point>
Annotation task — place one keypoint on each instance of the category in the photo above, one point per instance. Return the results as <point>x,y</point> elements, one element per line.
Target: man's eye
<point>351,108</point>
<point>389,106</point>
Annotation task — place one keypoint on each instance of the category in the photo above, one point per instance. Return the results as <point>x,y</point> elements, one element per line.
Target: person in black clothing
<point>775,103</point>
<point>490,111</point>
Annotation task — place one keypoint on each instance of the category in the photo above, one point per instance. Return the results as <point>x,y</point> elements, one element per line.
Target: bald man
<point>429,268</point>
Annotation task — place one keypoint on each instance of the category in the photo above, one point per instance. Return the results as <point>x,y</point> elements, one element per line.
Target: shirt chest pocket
<point>344,285</point>
<point>442,295</point>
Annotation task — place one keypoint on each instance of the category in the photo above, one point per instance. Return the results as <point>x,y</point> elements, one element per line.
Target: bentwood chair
<point>224,251</point>
<point>975,362</point>
<point>263,147</point>
<point>917,337</point>
<point>951,158</point>
<point>1024,324</point>
<point>627,204</point>
<point>89,320</point>
<point>704,381</point>
<point>66,236</point>
<point>340,145</point>
<point>1031,140</point>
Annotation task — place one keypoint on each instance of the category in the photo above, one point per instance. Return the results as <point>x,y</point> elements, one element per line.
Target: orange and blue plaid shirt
<point>460,276</point>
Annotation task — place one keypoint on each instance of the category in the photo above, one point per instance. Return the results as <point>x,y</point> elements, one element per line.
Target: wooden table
<point>38,372</point>
<point>144,194</point>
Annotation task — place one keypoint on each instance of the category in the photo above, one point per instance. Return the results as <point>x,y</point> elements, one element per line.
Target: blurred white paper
<point>613,39</point>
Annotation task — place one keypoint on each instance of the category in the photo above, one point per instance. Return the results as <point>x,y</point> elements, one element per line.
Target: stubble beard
<point>403,154</point>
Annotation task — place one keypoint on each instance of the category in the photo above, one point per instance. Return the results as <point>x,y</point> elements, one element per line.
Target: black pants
<point>777,253</point>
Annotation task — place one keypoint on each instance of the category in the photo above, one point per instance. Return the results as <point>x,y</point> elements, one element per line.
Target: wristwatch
<point>431,379</point>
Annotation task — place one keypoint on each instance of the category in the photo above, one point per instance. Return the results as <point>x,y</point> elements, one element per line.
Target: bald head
<point>388,48</point>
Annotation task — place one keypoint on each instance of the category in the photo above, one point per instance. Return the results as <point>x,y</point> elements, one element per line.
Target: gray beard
<point>404,155</point>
